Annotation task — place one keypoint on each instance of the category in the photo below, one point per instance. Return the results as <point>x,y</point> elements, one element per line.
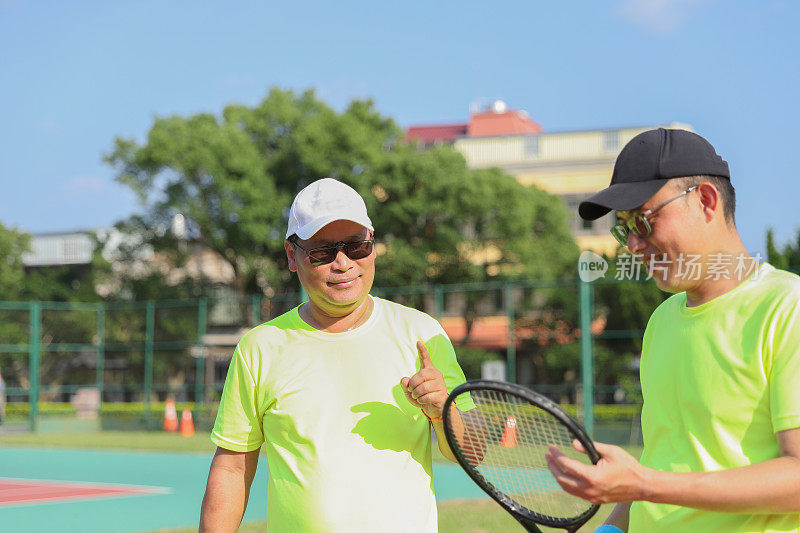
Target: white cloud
<point>85,184</point>
<point>660,16</point>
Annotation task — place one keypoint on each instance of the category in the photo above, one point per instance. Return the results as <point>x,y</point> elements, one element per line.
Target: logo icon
<point>591,266</point>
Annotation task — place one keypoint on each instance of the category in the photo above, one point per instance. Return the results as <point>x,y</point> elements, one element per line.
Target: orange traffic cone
<point>170,416</point>
<point>509,439</point>
<point>187,426</point>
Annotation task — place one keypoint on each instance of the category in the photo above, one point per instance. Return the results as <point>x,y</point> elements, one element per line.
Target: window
<point>75,249</point>
<point>580,227</point>
<point>72,250</point>
<point>532,146</point>
<point>611,140</point>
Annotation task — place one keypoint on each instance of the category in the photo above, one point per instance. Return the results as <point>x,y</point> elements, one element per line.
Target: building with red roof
<point>490,121</point>
<point>572,164</point>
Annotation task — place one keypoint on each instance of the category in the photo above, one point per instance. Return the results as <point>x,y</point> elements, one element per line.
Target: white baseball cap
<point>321,203</point>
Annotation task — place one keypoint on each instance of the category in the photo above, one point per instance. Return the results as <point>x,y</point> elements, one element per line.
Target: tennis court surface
<point>88,491</point>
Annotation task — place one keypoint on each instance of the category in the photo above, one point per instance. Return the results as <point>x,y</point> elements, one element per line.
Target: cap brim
<point>619,197</point>
<point>308,231</point>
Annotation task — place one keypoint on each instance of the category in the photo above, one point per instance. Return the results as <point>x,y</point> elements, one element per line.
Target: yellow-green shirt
<point>719,380</point>
<point>346,451</point>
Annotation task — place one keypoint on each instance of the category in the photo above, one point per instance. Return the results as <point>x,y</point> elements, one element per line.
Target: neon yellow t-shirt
<point>346,450</point>
<point>719,380</point>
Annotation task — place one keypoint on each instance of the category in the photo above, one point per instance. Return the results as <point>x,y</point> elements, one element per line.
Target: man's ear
<point>709,200</point>
<point>290,255</point>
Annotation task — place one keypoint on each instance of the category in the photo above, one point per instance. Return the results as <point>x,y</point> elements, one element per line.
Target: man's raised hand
<point>426,389</point>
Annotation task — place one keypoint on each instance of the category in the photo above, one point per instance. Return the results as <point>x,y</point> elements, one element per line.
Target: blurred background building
<point>572,164</point>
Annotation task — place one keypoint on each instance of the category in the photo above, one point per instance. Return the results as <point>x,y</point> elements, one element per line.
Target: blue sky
<point>76,74</point>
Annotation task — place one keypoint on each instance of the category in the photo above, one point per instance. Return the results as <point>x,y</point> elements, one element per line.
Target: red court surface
<point>31,492</point>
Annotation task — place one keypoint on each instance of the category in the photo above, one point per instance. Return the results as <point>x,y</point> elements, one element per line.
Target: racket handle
<point>607,528</point>
<point>529,526</point>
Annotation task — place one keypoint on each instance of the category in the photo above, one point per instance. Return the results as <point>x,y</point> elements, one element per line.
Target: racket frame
<point>527,517</point>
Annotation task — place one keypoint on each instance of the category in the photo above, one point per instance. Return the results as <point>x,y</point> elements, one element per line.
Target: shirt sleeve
<point>785,371</point>
<point>443,356</point>
<point>238,423</point>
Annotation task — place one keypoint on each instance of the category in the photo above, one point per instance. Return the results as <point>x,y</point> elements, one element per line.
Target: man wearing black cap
<point>720,366</point>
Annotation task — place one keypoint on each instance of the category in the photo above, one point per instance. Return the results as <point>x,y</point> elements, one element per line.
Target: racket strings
<point>512,437</point>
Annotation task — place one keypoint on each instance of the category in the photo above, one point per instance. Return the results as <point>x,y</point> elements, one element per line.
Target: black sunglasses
<point>327,254</point>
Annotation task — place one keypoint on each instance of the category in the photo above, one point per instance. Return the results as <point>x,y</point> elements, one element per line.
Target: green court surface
<point>175,468</point>
<point>180,477</point>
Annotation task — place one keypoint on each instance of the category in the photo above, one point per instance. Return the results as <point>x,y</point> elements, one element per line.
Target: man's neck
<point>330,323</point>
<point>737,266</point>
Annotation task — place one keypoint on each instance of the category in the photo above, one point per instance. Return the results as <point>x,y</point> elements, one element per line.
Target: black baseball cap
<point>645,165</point>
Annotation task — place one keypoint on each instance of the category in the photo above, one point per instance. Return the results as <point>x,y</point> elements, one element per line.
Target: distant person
<point>720,365</point>
<point>341,391</point>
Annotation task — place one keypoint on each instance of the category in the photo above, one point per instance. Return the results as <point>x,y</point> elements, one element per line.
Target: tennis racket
<point>502,444</point>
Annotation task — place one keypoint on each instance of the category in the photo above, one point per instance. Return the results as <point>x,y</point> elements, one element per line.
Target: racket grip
<point>607,528</point>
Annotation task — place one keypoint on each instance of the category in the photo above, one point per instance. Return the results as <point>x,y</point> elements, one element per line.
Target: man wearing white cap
<point>341,391</point>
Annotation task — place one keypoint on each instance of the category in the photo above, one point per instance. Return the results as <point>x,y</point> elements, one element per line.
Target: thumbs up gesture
<point>426,389</point>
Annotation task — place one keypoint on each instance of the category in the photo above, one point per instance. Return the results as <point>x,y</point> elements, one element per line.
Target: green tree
<point>12,271</point>
<point>624,306</point>
<point>786,259</point>
<point>13,323</point>
<point>233,177</point>
<point>67,283</point>
<point>472,359</point>
<point>621,309</point>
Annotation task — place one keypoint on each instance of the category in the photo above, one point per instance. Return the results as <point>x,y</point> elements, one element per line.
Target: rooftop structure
<point>571,164</point>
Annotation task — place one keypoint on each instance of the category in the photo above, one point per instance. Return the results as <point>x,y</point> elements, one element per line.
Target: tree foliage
<point>624,306</point>
<point>12,271</point>
<point>620,305</point>
<point>788,258</point>
<point>65,283</point>
<point>233,177</point>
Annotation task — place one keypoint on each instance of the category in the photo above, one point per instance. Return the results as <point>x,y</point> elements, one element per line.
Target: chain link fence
<point>112,365</point>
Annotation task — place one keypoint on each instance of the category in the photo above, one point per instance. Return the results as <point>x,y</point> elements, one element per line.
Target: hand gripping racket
<point>502,444</point>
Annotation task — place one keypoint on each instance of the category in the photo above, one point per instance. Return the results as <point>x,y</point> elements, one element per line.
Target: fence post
<point>148,356</point>
<point>438,301</point>
<point>511,346</point>
<point>255,309</point>
<point>101,349</point>
<point>587,371</point>
<point>200,363</point>
<point>34,355</point>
